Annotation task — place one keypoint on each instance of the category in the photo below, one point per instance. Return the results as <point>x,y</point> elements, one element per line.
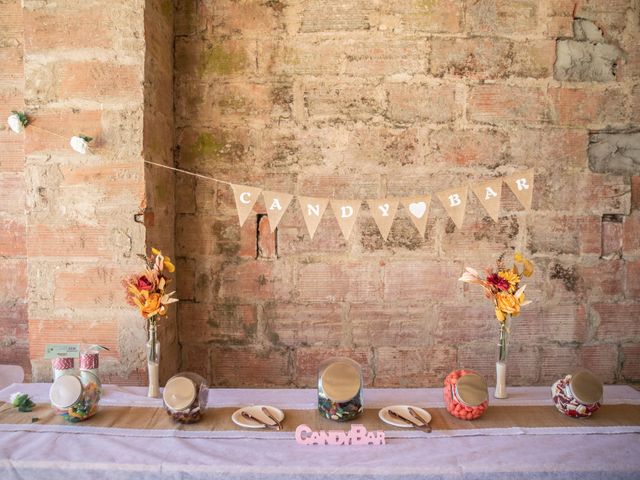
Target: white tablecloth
<point>63,453</point>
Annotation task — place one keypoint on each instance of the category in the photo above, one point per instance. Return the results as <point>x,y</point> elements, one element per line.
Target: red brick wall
<point>14,344</point>
<point>366,99</point>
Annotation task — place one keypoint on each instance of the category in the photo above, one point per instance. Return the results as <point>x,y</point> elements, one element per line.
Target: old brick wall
<point>14,341</point>
<point>370,98</point>
<point>69,235</point>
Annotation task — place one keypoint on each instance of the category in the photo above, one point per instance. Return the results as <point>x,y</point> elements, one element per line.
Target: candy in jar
<point>185,397</point>
<point>74,397</point>
<point>577,395</point>
<point>465,394</point>
<point>340,395</point>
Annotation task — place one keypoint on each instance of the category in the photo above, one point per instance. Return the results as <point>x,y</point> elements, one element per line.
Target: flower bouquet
<point>502,286</point>
<point>147,292</point>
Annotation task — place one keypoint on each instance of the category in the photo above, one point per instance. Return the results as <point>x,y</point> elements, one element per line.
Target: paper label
<point>61,350</point>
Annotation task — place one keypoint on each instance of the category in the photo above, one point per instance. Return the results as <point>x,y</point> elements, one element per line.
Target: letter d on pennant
<point>346,212</point>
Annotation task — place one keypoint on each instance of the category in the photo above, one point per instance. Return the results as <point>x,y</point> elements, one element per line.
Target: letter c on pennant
<point>244,197</point>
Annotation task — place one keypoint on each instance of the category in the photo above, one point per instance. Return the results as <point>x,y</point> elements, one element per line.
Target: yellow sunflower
<point>511,277</point>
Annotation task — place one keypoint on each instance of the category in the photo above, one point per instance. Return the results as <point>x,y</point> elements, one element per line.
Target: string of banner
<point>383,210</point>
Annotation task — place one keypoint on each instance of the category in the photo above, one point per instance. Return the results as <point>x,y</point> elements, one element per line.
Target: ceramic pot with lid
<point>185,397</point>
<point>578,394</point>
<point>466,395</point>
<point>76,397</point>
<point>340,389</point>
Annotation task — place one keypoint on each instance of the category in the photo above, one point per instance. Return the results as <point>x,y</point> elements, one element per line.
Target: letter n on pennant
<point>312,210</point>
<point>246,198</point>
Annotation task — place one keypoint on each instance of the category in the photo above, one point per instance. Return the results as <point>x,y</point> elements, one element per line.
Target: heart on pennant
<point>418,209</point>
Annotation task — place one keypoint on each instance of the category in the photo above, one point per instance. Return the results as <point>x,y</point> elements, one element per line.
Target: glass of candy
<point>340,389</point>
<point>185,397</point>
<point>75,397</point>
<point>578,395</point>
<point>465,394</point>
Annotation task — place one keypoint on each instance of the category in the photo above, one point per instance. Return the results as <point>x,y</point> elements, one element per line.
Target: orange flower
<point>510,277</point>
<point>150,304</point>
<point>507,304</point>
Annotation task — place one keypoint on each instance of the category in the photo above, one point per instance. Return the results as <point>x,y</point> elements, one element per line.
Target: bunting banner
<point>312,210</point>
<point>454,201</point>
<point>246,198</point>
<point>384,210</point>
<point>488,194</point>
<point>418,210</point>
<point>521,184</point>
<point>346,212</point>
<point>276,204</point>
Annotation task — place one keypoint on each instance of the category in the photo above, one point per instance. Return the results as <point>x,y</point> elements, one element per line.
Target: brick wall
<point>14,343</point>
<point>371,98</point>
<point>84,71</point>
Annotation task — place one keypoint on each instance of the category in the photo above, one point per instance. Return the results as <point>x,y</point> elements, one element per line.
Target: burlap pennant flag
<point>246,198</point>
<point>276,204</point>
<point>384,211</point>
<point>454,201</point>
<point>346,212</point>
<point>418,210</point>
<point>312,210</point>
<point>489,195</point>
<point>521,184</point>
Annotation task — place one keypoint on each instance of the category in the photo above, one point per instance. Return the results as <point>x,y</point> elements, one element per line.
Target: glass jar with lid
<point>578,394</point>
<point>465,394</point>
<point>185,397</point>
<point>340,389</point>
<point>76,397</point>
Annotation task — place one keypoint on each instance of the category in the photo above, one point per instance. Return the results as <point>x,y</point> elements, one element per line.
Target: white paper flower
<point>14,396</point>
<point>80,144</point>
<point>17,121</point>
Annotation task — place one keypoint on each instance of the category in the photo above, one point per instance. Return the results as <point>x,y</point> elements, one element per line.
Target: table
<point>66,452</point>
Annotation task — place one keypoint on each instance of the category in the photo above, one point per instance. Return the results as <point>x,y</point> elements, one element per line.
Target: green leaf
<point>85,138</point>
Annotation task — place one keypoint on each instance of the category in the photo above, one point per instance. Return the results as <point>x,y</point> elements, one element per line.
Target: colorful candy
<point>340,395</point>
<point>76,398</point>
<point>566,399</point>
<point>465,394</point>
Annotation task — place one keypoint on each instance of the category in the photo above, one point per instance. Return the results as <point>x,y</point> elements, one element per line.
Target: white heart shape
<point>418,209</point>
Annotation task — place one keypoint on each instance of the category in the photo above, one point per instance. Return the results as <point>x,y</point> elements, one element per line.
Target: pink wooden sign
<point>357,435</point>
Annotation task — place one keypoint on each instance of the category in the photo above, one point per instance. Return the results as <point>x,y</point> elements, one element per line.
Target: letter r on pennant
<point>522,184</point>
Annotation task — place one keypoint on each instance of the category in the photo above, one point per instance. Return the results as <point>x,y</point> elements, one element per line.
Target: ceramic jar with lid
<point>578,395</point>
<point>185,397</point>
<point>76,397</point>
<point>465,394</point>
<point>340,389</point>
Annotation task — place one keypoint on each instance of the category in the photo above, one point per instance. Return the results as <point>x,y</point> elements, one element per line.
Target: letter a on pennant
<point>276,204</point>
<point>454,201</point>
<point>521,184</point>
<point>418,211</point>
<point>346,212</point>
<point>384,211</point>
<point>312,210</point>
<point>489,195</point>
<point>246,198</point>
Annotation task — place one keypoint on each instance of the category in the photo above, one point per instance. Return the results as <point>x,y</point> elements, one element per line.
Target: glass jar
<point>185,397</point>
<point>465,394</point>
<point>578,395</point>
<point>62,366</point>
<point>340,389</point>
<point>75,397</point>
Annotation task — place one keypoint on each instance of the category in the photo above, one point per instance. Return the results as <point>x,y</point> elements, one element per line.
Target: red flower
<point>498,282</point>
<point>143,283</point>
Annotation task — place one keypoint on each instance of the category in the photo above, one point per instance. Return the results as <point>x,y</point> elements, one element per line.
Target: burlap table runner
<point>219,419</point>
